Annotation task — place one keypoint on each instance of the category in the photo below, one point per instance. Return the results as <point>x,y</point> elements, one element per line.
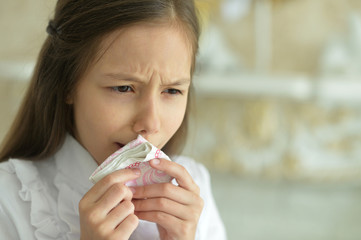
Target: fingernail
<point>132,189</point>
<point>136,171</point>
<point>155,161</point>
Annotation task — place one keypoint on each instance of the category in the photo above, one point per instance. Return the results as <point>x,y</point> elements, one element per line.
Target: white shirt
<point>39,199</point>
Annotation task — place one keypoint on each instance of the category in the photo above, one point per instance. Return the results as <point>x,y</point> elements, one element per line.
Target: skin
<point>138,85</point>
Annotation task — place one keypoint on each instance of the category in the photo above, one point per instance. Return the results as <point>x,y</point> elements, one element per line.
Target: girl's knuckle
<point>197,188</point>
<point>183,170</point>
<point>201,202</point>
<point>185,228</point>
<point>92,217</point>
<point>103,230</point>
<point>162,203</point>
<point>129,206</point>
<point>133,220</point>
<point>194,214</point>
<point>160,216</point>
<point>82,205</point>
<point>198,200</point>
<point>167,187</point>
<point>119,188</point>
<point>109,180</point>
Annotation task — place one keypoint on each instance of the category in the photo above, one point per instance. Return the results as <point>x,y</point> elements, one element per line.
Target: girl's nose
<point>147,121</point>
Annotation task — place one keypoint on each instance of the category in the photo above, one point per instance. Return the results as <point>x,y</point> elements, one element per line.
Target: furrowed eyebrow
<point>179,82</point>
<point>132,78</point>
<point>124,77</point>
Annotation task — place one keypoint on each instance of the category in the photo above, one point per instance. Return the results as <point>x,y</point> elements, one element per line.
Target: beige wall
<point>299,33</point>
<point>22,26</point>
<point>22,31</point>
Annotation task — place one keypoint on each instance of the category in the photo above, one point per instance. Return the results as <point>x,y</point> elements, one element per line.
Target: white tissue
<point>136,154</point>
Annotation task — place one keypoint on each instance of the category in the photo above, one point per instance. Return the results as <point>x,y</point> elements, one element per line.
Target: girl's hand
<point>106,210</point>
<point>175,209</point>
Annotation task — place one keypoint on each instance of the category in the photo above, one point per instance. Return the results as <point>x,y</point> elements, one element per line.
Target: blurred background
<point>277,117</point>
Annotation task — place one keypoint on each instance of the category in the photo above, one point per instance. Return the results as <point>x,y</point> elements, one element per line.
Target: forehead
<point>144,44</point>
<point>141,33</point>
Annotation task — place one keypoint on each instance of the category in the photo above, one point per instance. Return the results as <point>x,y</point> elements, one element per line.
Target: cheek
<point>100,119</point>
<point>174,117</point>
<point>92,115</point>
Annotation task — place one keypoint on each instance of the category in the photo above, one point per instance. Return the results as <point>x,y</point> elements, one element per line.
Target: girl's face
<point>139,85</point>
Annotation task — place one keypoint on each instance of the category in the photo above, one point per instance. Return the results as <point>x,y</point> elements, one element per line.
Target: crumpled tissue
<point>136,154</point>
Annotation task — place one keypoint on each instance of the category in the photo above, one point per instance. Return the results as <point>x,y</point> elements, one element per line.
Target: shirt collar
<point>75,163</point>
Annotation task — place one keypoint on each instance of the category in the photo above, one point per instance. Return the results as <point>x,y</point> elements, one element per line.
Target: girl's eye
<point>173,91</point>
<point>122,89</point>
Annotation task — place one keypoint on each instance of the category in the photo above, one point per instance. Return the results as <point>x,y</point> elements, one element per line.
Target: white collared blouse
<point>39,199</point>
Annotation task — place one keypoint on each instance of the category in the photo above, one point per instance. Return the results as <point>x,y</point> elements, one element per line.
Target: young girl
<point>108,71</point>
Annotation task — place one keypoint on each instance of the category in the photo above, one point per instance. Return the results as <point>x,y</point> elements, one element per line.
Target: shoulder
<point>15,171</point>
<point>18,178</point>
<point>9,181</point>
<point>15,177</point>
<point>20,181</point>
<point>23,200</point>
<point>13,209</point>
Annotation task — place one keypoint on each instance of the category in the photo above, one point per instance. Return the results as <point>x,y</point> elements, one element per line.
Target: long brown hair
<point>75,33</point>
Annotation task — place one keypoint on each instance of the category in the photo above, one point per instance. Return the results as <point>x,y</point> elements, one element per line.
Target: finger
<point>165,190</point>
<point>117,193</point>
<point>119,176</point>
<point>119,213</point>
<point>177,171</point>
<point>163,219</point>
<point>163,205</point>
<point>127,227</point>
